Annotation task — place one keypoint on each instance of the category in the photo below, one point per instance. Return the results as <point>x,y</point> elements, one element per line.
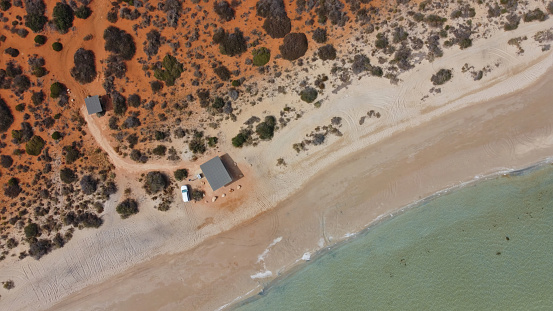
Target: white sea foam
<point>306,256</point>
<point>261,275</point>
<point>262,256</point>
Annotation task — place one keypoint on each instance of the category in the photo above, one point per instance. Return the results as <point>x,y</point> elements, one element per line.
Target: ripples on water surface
<point>487,246</point>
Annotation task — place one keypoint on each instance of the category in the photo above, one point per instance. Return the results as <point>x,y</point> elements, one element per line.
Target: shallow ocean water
<point>486,246</point>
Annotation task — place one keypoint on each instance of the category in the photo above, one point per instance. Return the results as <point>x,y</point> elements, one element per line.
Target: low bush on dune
<point>63,17</point>
<point>35,18</point>
<point>56,89</point>
<point>56,46</point>
<point>83,12</point>
<point>155,182</point>
<point>277,27</point>
<point>230,44</point>
<point>223,73</point>
<point>327,52</point>
<point>34,145</point>
<point>171,70</point>
<point>309,95</point>
<point>180,174</point>
<point>223,10</point>
<point>127,208</point>
<point>85,66</point>
<point>294,46</point>
<point>40,40</point>
<point>6,116</point>
<point>319,35</point>
<point>441,77</point>
<point>266,129</point>
<point>534,15</point>
<point>261,56</point>
<point>67,175</point>
<point>119,42</point>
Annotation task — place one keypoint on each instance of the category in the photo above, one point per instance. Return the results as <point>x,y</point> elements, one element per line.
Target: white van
<point>185,193</point>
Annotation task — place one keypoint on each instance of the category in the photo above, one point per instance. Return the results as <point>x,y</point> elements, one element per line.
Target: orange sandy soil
<point>72,124</point>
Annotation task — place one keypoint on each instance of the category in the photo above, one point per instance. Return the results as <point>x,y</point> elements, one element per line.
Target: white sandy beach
<point>204,256</point>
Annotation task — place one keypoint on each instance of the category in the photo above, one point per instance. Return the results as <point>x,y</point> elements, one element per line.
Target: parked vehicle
<point>185,193</point>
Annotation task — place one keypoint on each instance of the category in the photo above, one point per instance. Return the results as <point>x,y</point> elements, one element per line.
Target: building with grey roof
<point>93,104</point>
<point>216,173</point>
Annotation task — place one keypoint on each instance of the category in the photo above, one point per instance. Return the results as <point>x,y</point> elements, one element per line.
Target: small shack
<point>93,104</point>
<point>216,173</point>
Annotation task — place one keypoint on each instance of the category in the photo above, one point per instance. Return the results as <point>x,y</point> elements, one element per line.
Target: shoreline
<point>299,264</point>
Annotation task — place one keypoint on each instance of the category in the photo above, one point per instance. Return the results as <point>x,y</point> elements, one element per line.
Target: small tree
<point>63,17</point>
<point>261,56</point>
<point>197,195</point>
<point>32,230</point>
<point>309,95</point>
<point>181,174</point>
<point>56,89</point>
<point>9,284</point>
<point>67,175</point>
<point>127,208</point>
<point>56,46</point>
<point>155,182</point>
<point>266,129</point>
<point>83,12</point>
<point>441,77</point>
<point>34,145</point>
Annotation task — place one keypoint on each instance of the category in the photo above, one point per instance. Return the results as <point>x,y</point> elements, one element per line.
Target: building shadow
<point>232,168</point>
<point>105,101</point>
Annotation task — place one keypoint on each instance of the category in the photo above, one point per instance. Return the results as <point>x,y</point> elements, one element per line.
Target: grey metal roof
<point>216,173</point>
<point>93,104</point>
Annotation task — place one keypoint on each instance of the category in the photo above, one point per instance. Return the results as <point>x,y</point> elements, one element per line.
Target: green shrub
<point>127,208</point>
<point>6,117</point>
<point>154,182</point>
<point>534,15</point>
<point>180,174</point>
<point>223,73</point>
<point>197,195</point>
<point>327,52</point>
<point>40,39</point>
<point>72,154</point>
<point>83,12</point>
<point>34,145</point>
<point>63,17</point>
<point>39,72</point>
<point>441,77</point>
<point>35,22</point>
<point>197,145</point>
<point>67,175</point>
<point>239,140</point>
<point>266,129</point>
<point>212,141</point>
<point>309,95</point>
<point>119,42</point>
<point>56,89</point>
<point>56,46</point>
<point>32,230</point>
<point>20,107</point>
<point>5,5</point>
<point>261,56</point>
<point>230,44</point>
<point>294,46</point>
<point>160,150</point>
<point>56,135</point>
<point>171,71</point>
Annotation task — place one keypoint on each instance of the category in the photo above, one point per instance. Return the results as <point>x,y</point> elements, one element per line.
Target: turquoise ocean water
<point>486,246</point>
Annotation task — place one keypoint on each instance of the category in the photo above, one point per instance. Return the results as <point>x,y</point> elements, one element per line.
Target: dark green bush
<point>160,150</point>
<point>20,107</point>
<point>83,12</point>
<point>327,52</point>
<point>31,230</point>
<point>266,129</point>
<point>223,73</point>
<point>85,66</point>
<point>56,135</point>
<point>180,174</point>
<point>197,145</point>
<point>39,248</point>
<point>309,95</point>
<point>40,39</point>
<point>35,22</point>
<point>441,77</point>
<point>34,145</point>
<point>240,139</point>
<point>435,21</point>
<point>127,208</point>
<point>155,182</point>
<point>119,42</point>
<point>12,189</point>
<point>197,195</point>
<point>5,5</point>
<point>67,175</point>
<point>277,26</point>
<point>534,15</point>
<point>39,72</point>
<point>63,17</point>
<point>171,71</point>
<point>230,44</point>
<point>319,35</point>
<point>56,46</point>
<point>6,117</point>
<point>71,153</point>
<point>89,185</point>
<point>261,56</point>
<point>294,46</point>
<point>56,89</point>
